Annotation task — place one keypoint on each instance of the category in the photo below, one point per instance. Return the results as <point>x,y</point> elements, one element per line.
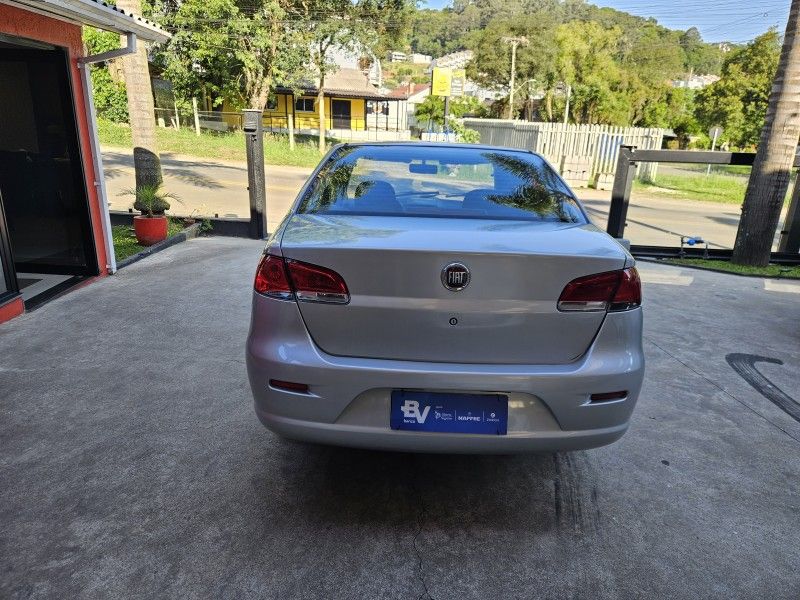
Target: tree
<point>769,178</point>
<point>436,32</point>
<point>491,63</point>
<point>141,110</point>
<point>110,99</point>
<point>431,110</point>
<point>738,101</point>
<point>701,58</point>
<point>586,62</point>
<point>234,50</point>
<point>351,25</point>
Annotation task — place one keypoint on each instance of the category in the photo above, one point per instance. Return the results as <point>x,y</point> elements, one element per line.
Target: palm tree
<point>141,109</point>
<point>769,179</point>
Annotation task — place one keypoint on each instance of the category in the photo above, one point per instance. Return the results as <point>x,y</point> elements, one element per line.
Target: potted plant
<point>151,226</point>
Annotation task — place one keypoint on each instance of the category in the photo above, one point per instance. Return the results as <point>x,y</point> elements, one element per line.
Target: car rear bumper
<point>349,398</point>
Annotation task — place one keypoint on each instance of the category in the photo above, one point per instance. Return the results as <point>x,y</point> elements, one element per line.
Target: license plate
<point>449,413</point>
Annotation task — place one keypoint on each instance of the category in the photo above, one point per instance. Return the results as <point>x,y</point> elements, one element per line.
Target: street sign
<point>457,83</point>
<point>442,81</point>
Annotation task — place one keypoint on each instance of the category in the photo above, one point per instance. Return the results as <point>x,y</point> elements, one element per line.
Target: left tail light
<point>271,278</point>
<point>612,291</point>
<point>289,279</point>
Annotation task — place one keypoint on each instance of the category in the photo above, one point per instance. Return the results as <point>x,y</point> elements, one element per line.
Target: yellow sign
<point>457,83</point>
<point>442,79</point>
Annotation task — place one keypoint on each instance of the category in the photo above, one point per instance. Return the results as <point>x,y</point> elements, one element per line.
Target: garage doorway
<point>45,224</point>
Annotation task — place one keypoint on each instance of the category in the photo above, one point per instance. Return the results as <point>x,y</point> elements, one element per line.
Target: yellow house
<point>351,103</point>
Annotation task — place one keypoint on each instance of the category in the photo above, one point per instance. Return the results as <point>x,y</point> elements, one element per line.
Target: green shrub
<point>151,200</point>
<point>110,98</point>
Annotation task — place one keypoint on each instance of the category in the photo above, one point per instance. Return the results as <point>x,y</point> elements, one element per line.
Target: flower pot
<point>150,230</point>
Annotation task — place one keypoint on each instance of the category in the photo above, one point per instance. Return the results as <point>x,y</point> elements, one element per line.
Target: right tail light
<point>609,291</point>
<point>288,279</point>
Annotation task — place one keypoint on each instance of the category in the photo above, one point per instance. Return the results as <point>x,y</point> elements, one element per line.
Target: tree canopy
<point>738,101</point>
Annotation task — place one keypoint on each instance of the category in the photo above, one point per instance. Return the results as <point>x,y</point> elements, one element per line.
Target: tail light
<point>271,278</point>
<point>288,279</point>
<point>313,283</point>
<point>613,290</point>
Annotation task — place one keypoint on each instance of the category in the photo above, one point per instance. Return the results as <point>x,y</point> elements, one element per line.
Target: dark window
<point>304,105</point>
<point>42,180</point>
<point>272,102</point>
<point>465,181</point>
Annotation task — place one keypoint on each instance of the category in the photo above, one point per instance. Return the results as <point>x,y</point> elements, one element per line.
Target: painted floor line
<point>789,287</point>
<point>665,278</point>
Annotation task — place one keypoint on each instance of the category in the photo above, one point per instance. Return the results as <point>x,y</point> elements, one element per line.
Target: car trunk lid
<point>400,309</point>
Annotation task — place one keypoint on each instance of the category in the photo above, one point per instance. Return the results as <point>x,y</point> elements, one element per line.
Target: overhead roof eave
<point>95,13</point>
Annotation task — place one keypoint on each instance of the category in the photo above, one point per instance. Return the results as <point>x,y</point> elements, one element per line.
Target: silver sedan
<point>444,298</point>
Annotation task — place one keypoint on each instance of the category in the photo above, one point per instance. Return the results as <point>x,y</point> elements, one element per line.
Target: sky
<point>718,20</point>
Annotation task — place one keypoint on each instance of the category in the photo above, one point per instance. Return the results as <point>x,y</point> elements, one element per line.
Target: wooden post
<point>196,117</point>
<point>289,99</point>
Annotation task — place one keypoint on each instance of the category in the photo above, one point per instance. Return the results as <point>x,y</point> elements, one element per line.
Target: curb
<point>187,234</point>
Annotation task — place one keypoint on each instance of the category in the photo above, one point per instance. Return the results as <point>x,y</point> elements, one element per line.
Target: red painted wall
<point>27,24</point>
<point>11,309</point>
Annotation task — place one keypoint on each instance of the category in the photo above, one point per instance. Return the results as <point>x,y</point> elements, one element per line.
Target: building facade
<point>354,109</point>
<point>54,226</point>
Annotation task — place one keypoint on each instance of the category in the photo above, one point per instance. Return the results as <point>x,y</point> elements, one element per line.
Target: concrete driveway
<point>132,465</point>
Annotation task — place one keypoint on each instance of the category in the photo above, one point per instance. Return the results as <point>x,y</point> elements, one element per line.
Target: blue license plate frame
<point>442,412</point>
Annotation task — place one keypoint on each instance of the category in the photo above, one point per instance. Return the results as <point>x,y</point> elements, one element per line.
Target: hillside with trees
<point>618,66</point>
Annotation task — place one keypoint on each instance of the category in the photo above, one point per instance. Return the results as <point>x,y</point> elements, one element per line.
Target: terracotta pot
<point>150,230</point>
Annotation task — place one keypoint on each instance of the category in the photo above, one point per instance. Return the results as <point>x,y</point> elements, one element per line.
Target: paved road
<point>132,465</point>
<point>661,221</point>
<point>217,187</point>
<point>207,187</point>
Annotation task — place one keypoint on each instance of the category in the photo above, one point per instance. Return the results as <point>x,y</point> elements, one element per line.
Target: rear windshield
<point>430,181</point>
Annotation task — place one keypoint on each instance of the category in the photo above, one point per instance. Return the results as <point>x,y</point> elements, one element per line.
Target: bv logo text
<point>410,410</point>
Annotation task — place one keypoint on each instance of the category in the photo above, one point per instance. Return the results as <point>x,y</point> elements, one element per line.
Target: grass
<point>125,244</point>
<point>225,146</point>
<point>782,271</point>
<point>725,184</point>
<point>727,189</point>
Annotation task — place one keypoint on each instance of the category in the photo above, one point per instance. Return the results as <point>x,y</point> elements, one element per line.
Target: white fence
<point>557,142</point>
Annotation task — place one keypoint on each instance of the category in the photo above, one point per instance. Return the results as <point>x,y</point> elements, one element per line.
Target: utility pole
<point>566,106</point>
<point>514,41</point>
